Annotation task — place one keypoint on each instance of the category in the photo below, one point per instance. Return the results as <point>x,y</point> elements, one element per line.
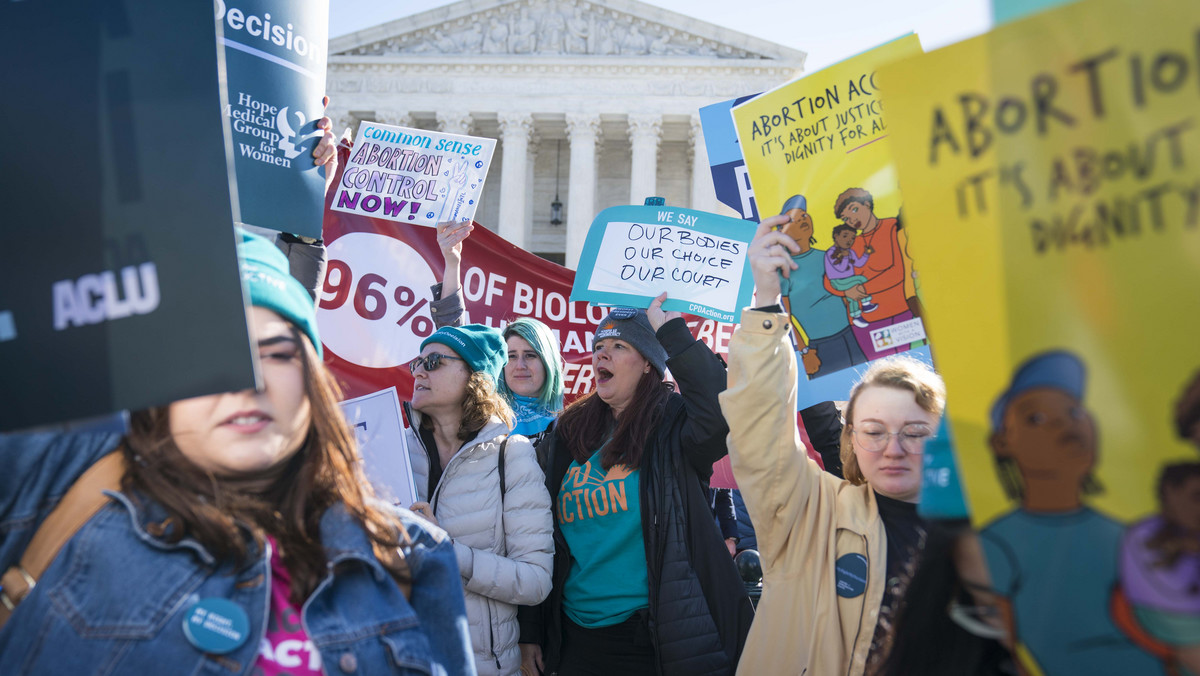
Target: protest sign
<point>632,254</point>
<point>817,149</point>
<point>730,178</point>
<point>120,286</point>
<point>373,320</point>
<point>379,427</point>
<point>275,52</point>
<point>1053,188</point>
<point>414,175</point>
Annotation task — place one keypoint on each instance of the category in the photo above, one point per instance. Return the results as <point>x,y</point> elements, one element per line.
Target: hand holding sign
<point>770,255</point>
<point>656,315</point>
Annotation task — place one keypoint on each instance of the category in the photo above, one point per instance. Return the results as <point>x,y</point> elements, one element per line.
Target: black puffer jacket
<point>699,611</point>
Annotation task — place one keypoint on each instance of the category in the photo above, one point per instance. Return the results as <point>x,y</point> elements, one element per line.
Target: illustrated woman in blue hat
<point>1054,558</point>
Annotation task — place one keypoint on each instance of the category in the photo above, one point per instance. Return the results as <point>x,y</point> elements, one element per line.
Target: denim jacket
<point>114,600</point>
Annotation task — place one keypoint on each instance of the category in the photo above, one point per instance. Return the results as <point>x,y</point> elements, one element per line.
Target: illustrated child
<point>1053,559</point>
<point>840,264</point>
<point>1160,557</point>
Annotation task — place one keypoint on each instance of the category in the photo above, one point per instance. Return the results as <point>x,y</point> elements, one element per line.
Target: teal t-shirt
<point>600,516</point>
<point>821,313</point>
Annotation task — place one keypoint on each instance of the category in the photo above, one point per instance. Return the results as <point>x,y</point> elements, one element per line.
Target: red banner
<point>373,309</point>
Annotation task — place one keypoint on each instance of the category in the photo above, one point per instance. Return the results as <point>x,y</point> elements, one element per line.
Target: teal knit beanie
<point>265,274</point>
<point>480,346</point>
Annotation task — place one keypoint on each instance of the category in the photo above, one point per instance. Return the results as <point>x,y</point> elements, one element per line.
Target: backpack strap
<point>500,468</point>
<point>82,501</point>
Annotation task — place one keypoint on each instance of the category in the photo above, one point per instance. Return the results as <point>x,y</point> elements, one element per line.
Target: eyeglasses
<point>430,362</point>
<point>874,438</point>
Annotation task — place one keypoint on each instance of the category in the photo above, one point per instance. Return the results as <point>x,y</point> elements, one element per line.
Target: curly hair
<point>326,470</point>
<point>897,372</point>
<point>482,402</point>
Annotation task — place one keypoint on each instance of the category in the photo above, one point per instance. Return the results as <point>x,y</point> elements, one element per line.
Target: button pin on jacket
<point>348,663</point>
<point>216,625</point>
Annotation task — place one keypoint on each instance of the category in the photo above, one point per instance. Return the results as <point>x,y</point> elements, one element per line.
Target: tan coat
<point>805,519</point>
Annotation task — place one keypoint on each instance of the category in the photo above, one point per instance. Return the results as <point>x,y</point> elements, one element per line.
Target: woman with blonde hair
<point>482,484</point>
<point>832,549</point>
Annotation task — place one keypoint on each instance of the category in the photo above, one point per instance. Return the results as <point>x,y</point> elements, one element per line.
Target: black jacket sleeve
<point>701,377</point>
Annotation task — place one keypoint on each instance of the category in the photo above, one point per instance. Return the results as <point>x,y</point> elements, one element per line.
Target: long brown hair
<point>326,470</point>
<point>587,422</point>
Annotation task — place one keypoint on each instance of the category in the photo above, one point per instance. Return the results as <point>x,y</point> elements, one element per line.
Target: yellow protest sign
<point>1051,174</point>
<point>817,148</point>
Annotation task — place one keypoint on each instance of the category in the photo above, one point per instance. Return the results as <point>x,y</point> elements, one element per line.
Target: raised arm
<point>447,308</point>
<point>780,485</point>
<point>701,377</point>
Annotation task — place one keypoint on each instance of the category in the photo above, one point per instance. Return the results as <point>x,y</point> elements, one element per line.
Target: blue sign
<point>275,53</point>
<point>942,494</point>
<point>731,181</point>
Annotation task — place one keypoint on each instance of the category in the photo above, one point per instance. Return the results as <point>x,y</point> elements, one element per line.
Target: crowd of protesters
<point>236,532</point>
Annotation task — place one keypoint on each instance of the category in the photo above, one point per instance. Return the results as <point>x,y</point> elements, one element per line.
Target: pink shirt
<point>285,648</point>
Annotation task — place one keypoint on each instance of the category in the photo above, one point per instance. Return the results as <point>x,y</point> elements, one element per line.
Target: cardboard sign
<point>379,428</point>
<point>414,175</point>
<point>632,254</point>
<point>731,181</point>
<point>1054,193</point>
<point>275,53</point>
<point>120,286</point>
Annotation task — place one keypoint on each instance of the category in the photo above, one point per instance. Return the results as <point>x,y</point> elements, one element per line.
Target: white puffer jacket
<point>504,552</point>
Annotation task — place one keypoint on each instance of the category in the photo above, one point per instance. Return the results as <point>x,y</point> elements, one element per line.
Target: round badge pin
<point>623,313</point>
<point>216,625</point>
<point>850,575</point>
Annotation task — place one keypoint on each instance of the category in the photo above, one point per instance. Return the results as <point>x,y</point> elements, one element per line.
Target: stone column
<point>454,122</point>
<point>583,131</point>
<point>704,195</point>
<point>515,131</point>
<point>535,142</point>
<point>645,133</point>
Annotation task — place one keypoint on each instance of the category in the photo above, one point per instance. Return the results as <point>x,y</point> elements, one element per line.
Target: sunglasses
<point>430,362</point>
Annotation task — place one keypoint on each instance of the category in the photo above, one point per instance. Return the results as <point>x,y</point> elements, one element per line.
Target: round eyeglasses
<point>874,437</point>
<point>430,362</point>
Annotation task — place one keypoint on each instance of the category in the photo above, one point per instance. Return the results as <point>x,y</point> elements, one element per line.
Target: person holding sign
<point>237,532</point>
<point>643,583</point>
<point>832,549</point>
<point>532,381</point>
<point>482,484</point>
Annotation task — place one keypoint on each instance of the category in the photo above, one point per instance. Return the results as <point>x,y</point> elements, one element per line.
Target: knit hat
<point>1057,369</point>
<point>481,347</point>
<point>633,326</point>
<point>265,274</point>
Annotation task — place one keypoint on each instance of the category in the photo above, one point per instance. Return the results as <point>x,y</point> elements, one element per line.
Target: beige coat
<point>805,519</point>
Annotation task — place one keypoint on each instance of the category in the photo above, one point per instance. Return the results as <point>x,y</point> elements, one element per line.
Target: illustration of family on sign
<point>1079,592</point>
<point>857,300</point>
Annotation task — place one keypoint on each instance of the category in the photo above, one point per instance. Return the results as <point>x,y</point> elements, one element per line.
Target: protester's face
<point>524,372</point>
<point>241,434</point>
<point>618,368</point>
<point>1049,434</point>
<point>1181,504</point>
<point>444,389</point>
<point>893,472</point>
<point>856,215</point>
<point>844,239</point>
<point>801,227</point>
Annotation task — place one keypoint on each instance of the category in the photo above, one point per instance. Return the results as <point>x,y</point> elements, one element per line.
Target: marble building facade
<point>595,102</point>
